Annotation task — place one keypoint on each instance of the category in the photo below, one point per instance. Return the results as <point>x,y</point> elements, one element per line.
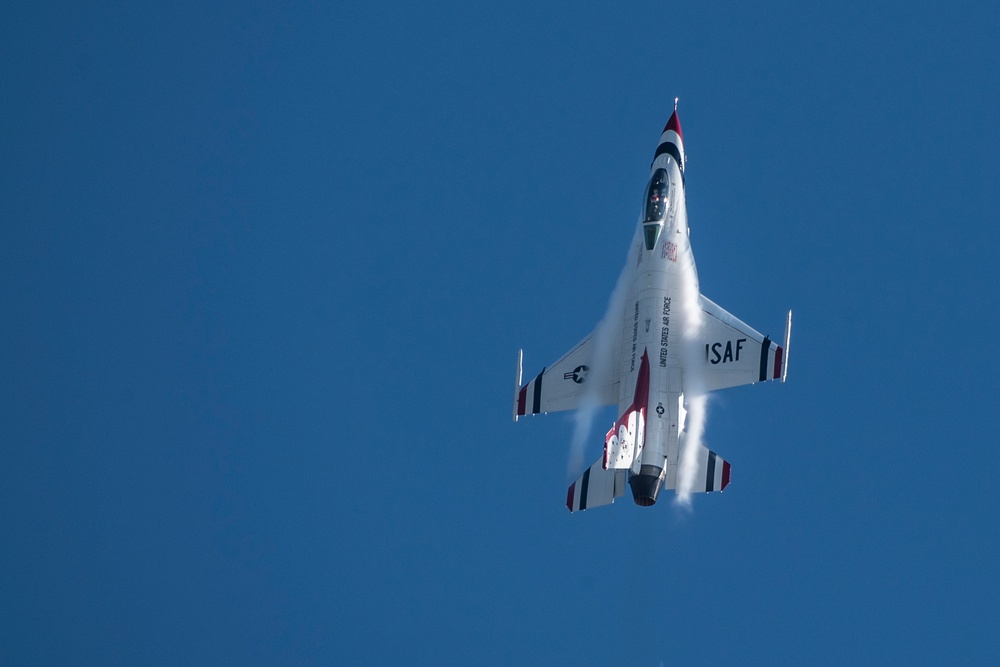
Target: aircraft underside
<point>656,355</point>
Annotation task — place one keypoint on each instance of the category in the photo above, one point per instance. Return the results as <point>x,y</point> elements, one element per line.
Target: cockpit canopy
<point>657,204</point>
<point>656,196</point>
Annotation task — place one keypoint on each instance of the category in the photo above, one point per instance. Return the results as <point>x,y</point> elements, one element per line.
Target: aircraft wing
<point>561,386</point>
<point>737,354</point>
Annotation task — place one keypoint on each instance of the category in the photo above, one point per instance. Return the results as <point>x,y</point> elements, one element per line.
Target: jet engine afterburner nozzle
<point>646,485</point>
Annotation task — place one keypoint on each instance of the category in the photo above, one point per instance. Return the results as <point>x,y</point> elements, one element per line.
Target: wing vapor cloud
<point>694,409</point>
<point>600,372</point>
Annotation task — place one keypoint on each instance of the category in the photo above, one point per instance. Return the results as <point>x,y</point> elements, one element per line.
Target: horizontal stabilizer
<point>711,473</point>
<point>596,487</point>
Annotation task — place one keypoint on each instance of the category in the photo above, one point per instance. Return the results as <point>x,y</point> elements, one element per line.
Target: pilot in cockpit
<point>656,197</point>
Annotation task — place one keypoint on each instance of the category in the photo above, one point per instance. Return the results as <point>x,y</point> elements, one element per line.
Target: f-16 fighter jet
<point>662,344</point>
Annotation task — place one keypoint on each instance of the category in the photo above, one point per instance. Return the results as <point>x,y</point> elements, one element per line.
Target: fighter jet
<point>661,344</point>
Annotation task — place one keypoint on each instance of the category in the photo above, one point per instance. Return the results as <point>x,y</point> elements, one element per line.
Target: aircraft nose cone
<point>671,143</point>
<point>674,124</point>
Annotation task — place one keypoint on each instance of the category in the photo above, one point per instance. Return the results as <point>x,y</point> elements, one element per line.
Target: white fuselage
<point>659,309</point>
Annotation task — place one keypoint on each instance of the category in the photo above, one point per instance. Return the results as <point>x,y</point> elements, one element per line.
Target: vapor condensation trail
<point>695,398</point>
<point>603,365</point>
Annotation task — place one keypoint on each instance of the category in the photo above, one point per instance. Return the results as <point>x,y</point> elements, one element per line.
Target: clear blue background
<point>264,271</point>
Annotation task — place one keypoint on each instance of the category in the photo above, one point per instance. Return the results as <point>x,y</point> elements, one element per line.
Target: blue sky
<point>265,269</point>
